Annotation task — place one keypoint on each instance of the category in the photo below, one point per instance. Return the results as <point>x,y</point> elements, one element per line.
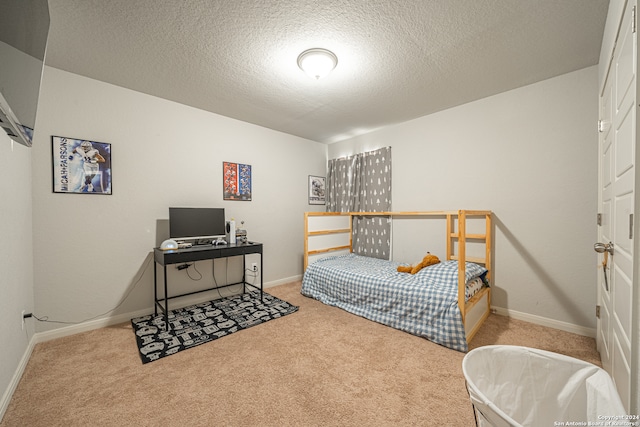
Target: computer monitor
<point>198,224</point>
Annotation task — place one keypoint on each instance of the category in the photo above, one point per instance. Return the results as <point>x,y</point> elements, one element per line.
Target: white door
<point>616,334</point>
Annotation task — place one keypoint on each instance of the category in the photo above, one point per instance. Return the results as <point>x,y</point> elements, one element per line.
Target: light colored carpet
<point>320,366</point>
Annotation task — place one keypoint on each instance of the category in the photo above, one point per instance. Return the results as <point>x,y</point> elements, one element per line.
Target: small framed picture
<point>81,166</point>
<point>316,190</point>
<point>236,181</point>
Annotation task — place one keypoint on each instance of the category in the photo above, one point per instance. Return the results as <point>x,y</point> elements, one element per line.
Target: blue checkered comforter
<point>424,304</point>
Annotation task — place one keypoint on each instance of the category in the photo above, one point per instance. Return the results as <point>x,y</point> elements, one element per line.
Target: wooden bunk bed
<point>329,234</point>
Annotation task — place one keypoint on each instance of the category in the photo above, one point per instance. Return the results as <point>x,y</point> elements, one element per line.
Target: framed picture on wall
<point>316,190</point>
<point>81,166</point>
<point>236,181</point>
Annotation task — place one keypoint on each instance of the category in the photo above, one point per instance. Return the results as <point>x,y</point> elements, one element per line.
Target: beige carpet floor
<point>320,366</point>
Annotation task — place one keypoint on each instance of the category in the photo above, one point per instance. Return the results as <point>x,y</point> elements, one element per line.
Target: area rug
<point>204,322</point>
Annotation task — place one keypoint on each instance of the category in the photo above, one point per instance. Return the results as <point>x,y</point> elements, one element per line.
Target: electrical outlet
<point>25,316</point>
<point>22,318</point>
<point>254,266</point>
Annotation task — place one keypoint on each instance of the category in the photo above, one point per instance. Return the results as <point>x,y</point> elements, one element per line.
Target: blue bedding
<point>424,304</point>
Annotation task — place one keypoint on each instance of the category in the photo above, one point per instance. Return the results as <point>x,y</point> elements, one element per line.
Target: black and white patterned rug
<point>201,323</point>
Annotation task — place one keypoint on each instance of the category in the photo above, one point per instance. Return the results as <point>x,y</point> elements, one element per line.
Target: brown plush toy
<point>426,261</point>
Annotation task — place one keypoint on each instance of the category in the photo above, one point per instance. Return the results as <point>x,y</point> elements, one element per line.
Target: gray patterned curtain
<point>362,183</point>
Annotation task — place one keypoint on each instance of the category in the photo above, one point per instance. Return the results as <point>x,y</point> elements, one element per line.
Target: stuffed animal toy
<point>426,261</point>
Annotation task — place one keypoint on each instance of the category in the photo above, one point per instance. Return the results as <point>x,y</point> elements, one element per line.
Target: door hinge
<point>598,311</point>
<point>633,19</point>
<point>599,219</point>
<point>630,226</point>
<point>600,126</point>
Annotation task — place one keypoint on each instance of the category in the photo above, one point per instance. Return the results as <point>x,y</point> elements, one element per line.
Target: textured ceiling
<point>398,60</point>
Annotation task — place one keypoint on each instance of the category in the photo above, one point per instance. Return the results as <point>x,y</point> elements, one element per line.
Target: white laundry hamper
<point>521,386</point>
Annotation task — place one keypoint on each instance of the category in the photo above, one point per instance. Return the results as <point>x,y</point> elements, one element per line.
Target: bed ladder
<point>460,235</point>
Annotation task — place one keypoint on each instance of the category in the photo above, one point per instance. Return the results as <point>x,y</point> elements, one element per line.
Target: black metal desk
<point>199,253</point>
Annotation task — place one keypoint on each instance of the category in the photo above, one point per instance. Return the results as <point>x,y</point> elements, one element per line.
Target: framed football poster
<point>236,181</point>
<point>81,166</point>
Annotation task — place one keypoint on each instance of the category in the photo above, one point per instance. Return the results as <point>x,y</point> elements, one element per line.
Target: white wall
<point>91,251</point>
<point>530,156</point>
<point>16,260</point>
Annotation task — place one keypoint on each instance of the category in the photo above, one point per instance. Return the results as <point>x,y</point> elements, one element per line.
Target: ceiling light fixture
<point>317,63</point>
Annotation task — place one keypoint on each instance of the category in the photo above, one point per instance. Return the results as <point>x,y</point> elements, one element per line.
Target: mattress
<point>424,304</point>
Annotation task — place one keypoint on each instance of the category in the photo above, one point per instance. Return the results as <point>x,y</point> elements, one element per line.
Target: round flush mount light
<point>317,62</point>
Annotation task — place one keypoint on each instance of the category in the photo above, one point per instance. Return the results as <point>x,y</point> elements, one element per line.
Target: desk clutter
<point>241,234</point>
<point>236,235</point>
<point>232,236</point>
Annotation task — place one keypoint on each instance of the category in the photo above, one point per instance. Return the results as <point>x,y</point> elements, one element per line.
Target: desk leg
<point>155,288</point>
<point>244,272</point>
<point>261,284</point>
<point>166,300</point>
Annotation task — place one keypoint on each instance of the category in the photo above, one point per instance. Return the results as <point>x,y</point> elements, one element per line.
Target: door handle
<point>603,247</point>
<point>606,248</point>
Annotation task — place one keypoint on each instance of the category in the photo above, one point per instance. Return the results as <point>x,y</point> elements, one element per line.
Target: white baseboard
<point>17,375</point>
<point>543,321</point>
<point>88,326</point>
<point>122,318</point>
<point>283,281</point>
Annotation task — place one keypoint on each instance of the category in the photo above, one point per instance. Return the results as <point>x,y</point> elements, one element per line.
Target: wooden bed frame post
<point>351,232</point>
<point>450,237</point>
<point>462,233</point>
<point>306,241</point>
<point>488,266</point>
<point>487,245</point>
